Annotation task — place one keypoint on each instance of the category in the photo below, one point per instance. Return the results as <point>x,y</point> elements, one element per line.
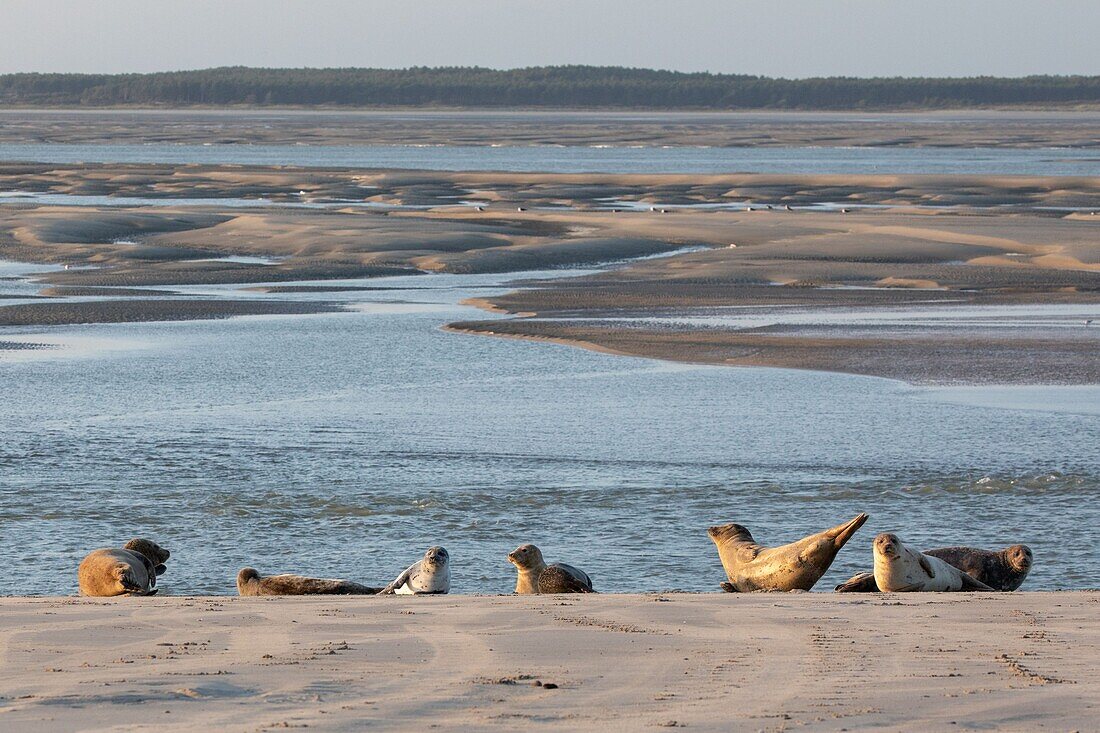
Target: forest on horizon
<point>547,87</point>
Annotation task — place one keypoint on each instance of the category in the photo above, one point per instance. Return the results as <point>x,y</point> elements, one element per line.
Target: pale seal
<point>797,566</point>
<point>251,583</point>
<point>122,571</point>
<point>535,576</point>
<point>1003,570</point>
<point>430,574</point>
<point>899,569</point>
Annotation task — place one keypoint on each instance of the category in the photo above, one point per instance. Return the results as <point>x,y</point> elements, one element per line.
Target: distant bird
<point>845,211</point>
<point>652,208</point>
<point>615,211</point>
<point>67,267</point>
<point>664,211</point>
<point>769,207</point>
<point>521,209</point>
<point>787,207</point>
<point>481,208</point>
<point>750,209</point>
<point>733,246</point>
<point>1088,322</point>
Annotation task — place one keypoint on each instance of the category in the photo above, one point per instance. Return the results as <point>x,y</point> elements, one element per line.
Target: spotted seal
<point>251,583</point>
<point>430,574</point>
<point>535,576</point>
<point>1003,570</point>
<point>899,569</point>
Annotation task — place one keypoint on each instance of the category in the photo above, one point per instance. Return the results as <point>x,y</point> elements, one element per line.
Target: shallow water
<point>345,444</point>
<point>579,159</point>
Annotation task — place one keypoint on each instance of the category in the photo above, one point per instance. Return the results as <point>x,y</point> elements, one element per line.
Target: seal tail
<point>859,583</point>
<point>841,533</point>
<point>972,584</point>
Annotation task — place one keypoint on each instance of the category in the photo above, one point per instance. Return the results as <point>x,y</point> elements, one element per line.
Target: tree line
<point>552,86</point>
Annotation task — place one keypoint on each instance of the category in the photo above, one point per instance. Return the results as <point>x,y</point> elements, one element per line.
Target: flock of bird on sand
<point>132,570</point>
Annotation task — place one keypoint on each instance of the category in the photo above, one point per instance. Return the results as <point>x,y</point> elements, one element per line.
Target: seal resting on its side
<point>899,569</point>
<point>251,583</point>
<point>797,566</point>
<point>430,574</point>
<point>1003,570</point>
<point>535,576</point>
<point>122,571</point>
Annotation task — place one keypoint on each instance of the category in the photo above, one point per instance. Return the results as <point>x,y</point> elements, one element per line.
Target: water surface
<point>345,444</point>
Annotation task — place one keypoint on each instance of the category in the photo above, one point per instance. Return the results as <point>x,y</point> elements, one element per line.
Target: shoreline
<point>709,662</point>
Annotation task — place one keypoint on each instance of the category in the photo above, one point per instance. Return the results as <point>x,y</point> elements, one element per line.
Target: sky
<point>789,38</point>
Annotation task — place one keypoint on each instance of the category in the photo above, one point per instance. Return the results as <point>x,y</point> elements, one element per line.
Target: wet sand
<point>134,311</point>
<point>1012,661</point>
<point>738,241</point>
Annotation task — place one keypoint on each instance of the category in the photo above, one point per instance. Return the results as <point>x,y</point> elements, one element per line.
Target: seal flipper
<point>971,584</point>
<point>728,587</point>
<point>859,583</point>
<point>926,565</point>
<point>398,582</point>
<point>841,533</point>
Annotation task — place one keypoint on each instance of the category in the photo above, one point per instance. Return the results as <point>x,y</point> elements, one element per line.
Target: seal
<point>1003,570</point>
<point>251,583</point>
<point>535,576</point>
<point>899,569</point>
<point>122,571</point>
<point>157,554</point>
<point>430,574</point>
<point>797,566</point>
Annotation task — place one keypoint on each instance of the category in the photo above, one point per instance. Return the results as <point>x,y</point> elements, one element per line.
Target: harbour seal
<point>535,576</point>
<point>1003,570</point>
<point>430,574</point>
<point>251,583</point>
<point>122,571</point>
<point>899,569</point>
<point>797,566</point>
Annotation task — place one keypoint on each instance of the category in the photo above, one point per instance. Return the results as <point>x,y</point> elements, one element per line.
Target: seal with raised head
<point>430,574</point>
<point>251,583</point>
<point>122,571</point>
<point>797,566</point>
<point>1003,570</point>
<point>899,569</point>
<point>535,576</point>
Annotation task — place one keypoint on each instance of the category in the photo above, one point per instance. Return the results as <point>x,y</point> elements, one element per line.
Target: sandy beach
<point>771,662</point>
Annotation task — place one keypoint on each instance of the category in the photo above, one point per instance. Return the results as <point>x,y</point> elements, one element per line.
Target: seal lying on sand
<point>429,574</point>
<point>899,569</point>
<point>122,571</point>
<point>535,576</point>
<point>251,583</point>
<point>797,566</point>
<point>1004,570</point>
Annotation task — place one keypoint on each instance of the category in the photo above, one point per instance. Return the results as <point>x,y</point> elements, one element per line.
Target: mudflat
<point>1010,661</point>
<point>726,259</point>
